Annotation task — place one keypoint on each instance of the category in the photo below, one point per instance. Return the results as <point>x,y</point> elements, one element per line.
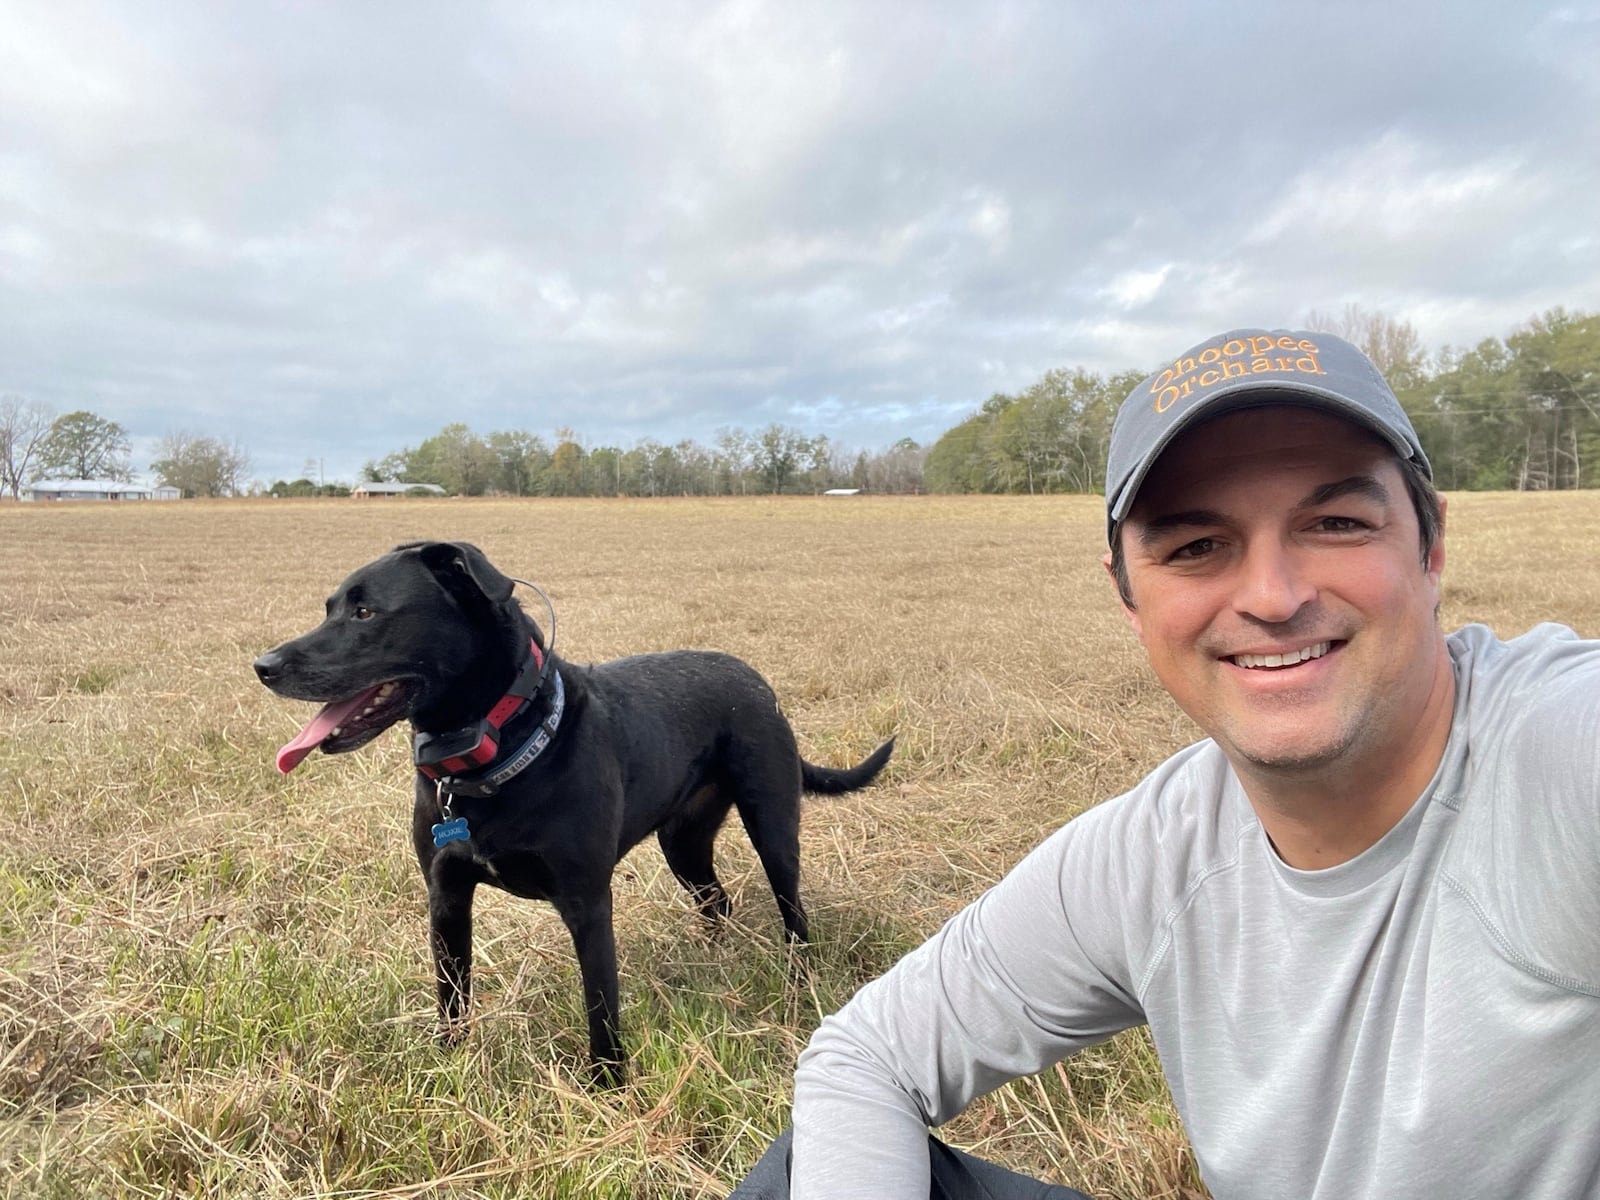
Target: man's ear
<point>1435,563</point>
<point>1127,609</point>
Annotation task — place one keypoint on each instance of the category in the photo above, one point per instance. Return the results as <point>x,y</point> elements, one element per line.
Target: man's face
<point>1274,561</point>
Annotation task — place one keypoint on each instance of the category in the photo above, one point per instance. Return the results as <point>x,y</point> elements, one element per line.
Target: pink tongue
<point>324,723</point>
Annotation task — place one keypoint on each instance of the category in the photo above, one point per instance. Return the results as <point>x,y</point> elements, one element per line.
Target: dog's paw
<point>607,1076</point>
<point>797,963</point>
<point>710,928</point>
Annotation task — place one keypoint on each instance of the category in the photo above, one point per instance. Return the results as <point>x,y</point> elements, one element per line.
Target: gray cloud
<point>327,230</point>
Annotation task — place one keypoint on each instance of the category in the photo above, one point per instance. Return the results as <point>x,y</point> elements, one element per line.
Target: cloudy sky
<point>326,229</point>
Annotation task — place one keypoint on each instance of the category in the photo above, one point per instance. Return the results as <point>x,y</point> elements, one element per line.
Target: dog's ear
<point>461,564</point>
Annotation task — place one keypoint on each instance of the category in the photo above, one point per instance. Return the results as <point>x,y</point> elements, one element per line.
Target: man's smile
<point>1277,659</point>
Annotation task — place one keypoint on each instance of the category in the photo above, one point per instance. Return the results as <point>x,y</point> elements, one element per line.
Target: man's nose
<point>1273,584</point>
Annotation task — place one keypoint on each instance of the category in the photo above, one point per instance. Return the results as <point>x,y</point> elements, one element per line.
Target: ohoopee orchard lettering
<point>1236,358</point>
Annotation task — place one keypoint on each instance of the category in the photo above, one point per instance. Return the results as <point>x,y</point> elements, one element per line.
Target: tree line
<point>1515,413</point>
<point>1518,413</point>
<point>776,460</point>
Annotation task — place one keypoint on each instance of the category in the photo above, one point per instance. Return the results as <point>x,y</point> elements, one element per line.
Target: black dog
<point>536,776</point>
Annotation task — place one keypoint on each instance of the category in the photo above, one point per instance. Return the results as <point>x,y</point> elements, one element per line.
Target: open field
<point>214,980</point>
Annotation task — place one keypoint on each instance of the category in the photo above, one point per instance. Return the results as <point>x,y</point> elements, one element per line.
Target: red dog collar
<point>438,755</point>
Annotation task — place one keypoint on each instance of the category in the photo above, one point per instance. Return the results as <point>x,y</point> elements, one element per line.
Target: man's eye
<point>1340,524</point>
<point>1198,548</point>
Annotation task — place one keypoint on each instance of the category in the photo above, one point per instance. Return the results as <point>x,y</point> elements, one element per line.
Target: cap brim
<point>1249,393</point>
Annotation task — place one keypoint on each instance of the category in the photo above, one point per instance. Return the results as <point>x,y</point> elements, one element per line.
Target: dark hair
<point>1424,498</point>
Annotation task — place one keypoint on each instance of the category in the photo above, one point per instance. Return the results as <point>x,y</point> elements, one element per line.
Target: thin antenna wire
<point>550,642</point>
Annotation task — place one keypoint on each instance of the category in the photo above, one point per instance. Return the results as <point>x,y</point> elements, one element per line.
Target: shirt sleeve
<point>1540,840</point>
<point>1035,969</point>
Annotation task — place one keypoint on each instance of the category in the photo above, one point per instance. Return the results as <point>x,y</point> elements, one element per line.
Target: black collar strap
<point>490,782</point>
<point>457,755</point>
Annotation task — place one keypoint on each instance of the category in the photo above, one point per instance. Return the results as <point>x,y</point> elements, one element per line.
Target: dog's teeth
<point>367,711</point>
<point>337,730</point>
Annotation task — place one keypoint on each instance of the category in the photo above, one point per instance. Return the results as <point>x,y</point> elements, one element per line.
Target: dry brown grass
<point>213,980</point>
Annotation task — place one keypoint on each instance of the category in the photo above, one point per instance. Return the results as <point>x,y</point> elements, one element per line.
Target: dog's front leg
<point>450,892</point>
<point>588,919</point>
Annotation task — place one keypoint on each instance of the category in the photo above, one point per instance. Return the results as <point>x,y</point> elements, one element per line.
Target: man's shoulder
<point>1123,870</point>
<point>1194,783</point>
<point>1183,820</point>
<point>1528,828</point>
<point>1546,655</point>
<point>1528,699</point>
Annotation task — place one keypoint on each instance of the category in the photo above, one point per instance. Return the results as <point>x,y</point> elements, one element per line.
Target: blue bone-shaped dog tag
<point>451,831</point>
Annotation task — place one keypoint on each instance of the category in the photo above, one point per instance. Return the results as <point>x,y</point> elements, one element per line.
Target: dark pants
<point>956,1176</point>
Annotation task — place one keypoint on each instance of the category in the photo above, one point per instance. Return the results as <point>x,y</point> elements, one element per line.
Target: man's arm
<point>1034,970</point>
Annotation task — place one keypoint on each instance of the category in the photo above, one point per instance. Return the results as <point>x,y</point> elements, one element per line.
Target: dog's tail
<point>833,780</point>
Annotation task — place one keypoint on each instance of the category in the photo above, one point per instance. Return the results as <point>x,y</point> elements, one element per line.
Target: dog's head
<point>427,627</point>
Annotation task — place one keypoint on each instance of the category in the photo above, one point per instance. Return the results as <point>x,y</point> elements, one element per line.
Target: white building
<point>365,490</point>
<point>93,489</point>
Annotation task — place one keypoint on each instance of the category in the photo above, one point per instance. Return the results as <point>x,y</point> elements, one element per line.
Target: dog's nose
<point>269,666</point>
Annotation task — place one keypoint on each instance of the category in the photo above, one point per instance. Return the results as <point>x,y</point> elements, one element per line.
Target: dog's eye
<point>363,613</point>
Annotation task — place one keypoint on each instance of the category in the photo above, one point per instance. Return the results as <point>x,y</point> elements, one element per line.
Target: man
<point>1362,919</point>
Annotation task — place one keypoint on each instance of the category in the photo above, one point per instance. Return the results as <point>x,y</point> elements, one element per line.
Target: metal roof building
<point>94,489</point>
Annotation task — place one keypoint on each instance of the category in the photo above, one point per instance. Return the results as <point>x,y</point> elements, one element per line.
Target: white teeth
<point>1282,660</point>
<point>367,711</point>
<point>337,730</point>
<point>384,691</point>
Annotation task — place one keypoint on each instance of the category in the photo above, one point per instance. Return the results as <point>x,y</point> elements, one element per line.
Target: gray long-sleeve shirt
<point>1423,1020</point>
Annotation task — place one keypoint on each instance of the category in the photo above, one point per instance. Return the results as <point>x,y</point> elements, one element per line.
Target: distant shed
<point>842,492</point>
<point>365,491</point>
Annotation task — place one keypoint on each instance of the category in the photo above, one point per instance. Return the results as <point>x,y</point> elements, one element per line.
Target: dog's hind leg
<point>687,847</point>
<point>588,920</point>
<point>772,819</point>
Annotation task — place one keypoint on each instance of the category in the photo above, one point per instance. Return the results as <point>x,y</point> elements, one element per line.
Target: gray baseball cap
<point>1248,368</point>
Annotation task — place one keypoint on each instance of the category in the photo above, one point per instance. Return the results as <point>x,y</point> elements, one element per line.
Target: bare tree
<point>201,466</point>
<point>1393,345</point>
<point>24,425</point>
<point>735,452</point>
<point>898,468</point>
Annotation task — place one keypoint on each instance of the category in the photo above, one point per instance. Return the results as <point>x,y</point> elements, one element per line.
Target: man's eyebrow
<point>1157,528</point>
<point>1356,485</point>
